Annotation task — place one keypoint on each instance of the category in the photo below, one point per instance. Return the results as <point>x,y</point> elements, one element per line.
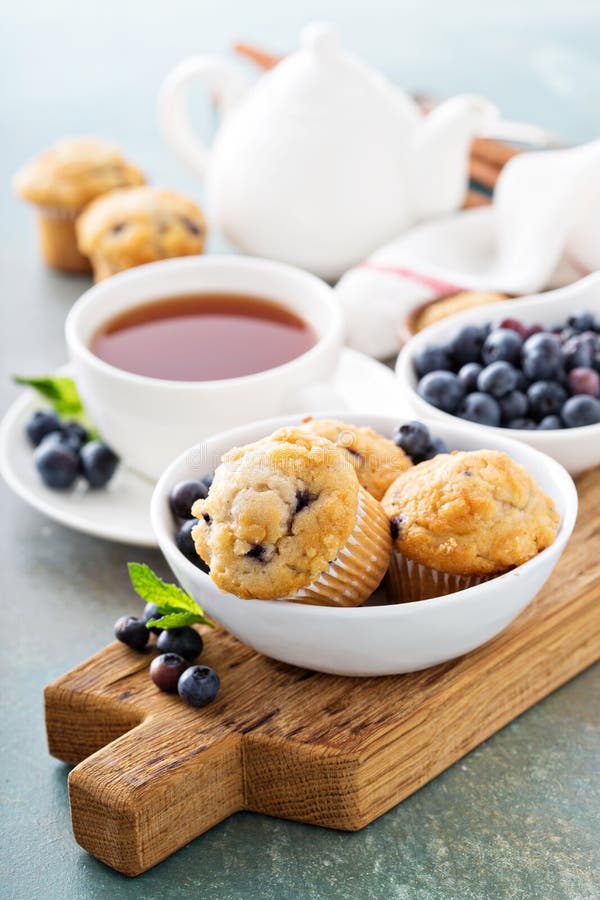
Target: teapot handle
<point>220,76</point>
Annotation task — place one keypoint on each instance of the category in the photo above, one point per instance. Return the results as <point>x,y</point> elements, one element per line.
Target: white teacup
<point>149,421</point>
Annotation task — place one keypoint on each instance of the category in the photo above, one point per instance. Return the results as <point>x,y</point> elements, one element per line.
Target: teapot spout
<point>441,154</point>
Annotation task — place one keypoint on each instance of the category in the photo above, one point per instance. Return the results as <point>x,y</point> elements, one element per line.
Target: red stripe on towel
<point>442,288</point>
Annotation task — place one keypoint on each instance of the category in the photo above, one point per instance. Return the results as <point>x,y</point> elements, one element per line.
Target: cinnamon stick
<point>261,58</point>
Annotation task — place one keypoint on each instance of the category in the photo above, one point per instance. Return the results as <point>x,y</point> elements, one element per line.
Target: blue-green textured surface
<point>518,817</point>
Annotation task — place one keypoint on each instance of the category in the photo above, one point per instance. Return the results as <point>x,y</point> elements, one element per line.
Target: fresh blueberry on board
<point>132,631</point>
<point>432,359</point>
<point>443,390</point>
<point>98,463</point>
<point>151,611</point>
<point>184,641</point>
<point>198,686</point>
<point>42,423</point>
<point>76,433</point>
<point>184,495</point>
<point>502,344</point>
<point>166,670</point>
<point>207,480</point>
<point>436,445</point>
<point>57,463</point>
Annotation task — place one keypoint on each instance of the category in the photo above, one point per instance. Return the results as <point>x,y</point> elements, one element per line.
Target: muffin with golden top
<point>139,225</point>
<point>60,182</point>
<point>376,459</point>
<point>462,518</point>
<point>286,518</point>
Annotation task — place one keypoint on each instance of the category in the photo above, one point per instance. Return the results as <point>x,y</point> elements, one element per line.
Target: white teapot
<point>323,159</point>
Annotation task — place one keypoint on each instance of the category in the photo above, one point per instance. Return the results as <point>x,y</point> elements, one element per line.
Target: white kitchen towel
<point>542,230</point>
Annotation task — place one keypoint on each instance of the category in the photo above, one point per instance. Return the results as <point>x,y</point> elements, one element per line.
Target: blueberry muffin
<point>139,225</point>
<point>377,460</point>
<point>461,518</point>
<point>61,181</point>
<point>286,518</point>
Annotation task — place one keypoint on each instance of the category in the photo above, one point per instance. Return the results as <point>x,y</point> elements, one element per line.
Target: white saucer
<point>121,512</point>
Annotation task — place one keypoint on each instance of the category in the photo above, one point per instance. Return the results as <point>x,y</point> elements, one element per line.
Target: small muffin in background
<point>285,518</point>
<point>61,181</point>
<point>462,518</point>
<point>435,310</point>
<point>139,225</point>
<point>376,459</point>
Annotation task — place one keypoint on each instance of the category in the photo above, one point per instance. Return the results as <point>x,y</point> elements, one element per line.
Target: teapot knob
<point>320,38</point>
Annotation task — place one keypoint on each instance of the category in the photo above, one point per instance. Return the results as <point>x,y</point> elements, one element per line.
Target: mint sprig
<point>176,608</point>
<point>62,395</point>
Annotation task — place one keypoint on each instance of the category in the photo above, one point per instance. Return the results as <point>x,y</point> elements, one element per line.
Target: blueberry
<point>436,445</point>
<point>432,359</point>
<point>207,480</point>
<point>198,685</point>
<point>582,321</point>
<point>522,381</point>
<point>468,375</point>
<point>166,670</point>
<point>98,463</point>
<point>515,325</point>
<point>502,344</point>
<point>581,410</point>
<point>498,379</point>
<point>413,437</point>
<point>57,463</point>
<point>513,405</point>
<point>523,423</point>
<point>579,351</point>
<point>151,612</point>
<point>542,357</point>
<point>442,389</point>
<point>76,433</point>
<point>584,381</point>
<point>481,408</point>
<point>185,641</point>
<point>184,495</point>
<point>42,423</point>
<point>185,543</point>
<point>549,423</point>
<point>132,631</point>
<point>546,398</point>
<point>467,343</point>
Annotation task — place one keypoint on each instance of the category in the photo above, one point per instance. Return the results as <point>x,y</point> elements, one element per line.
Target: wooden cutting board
<point>153,773</point>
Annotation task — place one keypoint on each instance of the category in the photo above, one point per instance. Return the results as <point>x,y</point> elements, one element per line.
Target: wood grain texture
<point>154,773</point>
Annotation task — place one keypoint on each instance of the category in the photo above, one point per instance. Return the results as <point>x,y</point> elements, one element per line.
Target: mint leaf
<point>62,395</point>
<point>177,620</point>
<point>175,606</point>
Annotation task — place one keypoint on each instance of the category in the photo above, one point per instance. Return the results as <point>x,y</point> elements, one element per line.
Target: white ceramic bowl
<point>576,448</point>
<point>369,640</point>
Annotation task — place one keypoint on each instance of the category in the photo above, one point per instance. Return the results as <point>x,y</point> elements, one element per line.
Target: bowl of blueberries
<point>528,368</point>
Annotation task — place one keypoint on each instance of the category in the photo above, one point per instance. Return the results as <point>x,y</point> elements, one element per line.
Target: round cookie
<point>139,225</point>
<point>285,517</point>
<point>61,181</point>
<point>377,460</point>
<point>469,513</point>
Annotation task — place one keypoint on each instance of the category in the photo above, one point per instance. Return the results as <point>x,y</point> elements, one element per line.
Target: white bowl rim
<point>558,472</point>
<point>405,368</point>
<point>231,261</point>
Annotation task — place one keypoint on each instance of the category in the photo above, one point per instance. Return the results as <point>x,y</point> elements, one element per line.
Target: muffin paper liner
<point>360,564</point>
<point>56,212</point>
<point>408,580</point>
<point>58,240</point>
